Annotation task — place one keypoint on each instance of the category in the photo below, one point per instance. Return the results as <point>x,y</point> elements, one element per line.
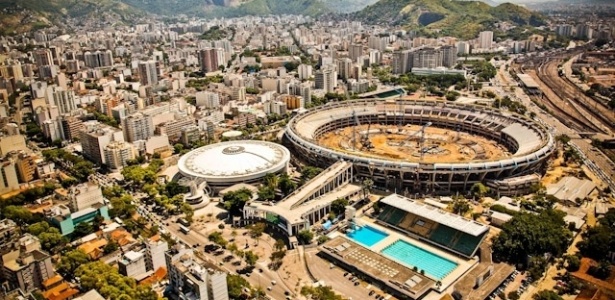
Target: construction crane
<point>421,139</point>
<point>365,142</point>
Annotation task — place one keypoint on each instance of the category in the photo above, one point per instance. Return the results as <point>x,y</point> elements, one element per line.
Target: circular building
<point>423,146</point>
<point>225,164</point>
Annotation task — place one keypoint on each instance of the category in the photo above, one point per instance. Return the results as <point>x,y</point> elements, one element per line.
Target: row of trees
<point>77,166</point>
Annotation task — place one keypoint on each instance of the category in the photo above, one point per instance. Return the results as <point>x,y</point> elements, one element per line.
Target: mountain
<point>18,16</point>
<point>463,19</point>
<point>347,6</point>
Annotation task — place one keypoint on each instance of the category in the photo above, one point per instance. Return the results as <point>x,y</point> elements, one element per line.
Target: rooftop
<point>235,159</point>
<point>445,218</point>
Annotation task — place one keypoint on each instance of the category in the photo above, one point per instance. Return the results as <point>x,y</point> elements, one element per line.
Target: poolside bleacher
<point>444,229</point>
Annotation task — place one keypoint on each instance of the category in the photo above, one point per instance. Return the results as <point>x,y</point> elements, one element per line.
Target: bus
<point>184,229</point>
<point>183,222</point>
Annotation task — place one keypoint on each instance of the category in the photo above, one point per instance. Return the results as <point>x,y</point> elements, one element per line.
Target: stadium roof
<point>445,218</point>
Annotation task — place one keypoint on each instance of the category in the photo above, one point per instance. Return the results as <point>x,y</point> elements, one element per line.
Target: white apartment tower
<point>326,79</point>
<point>207,99</point>
<point>138,127</point>
<point>485,39</point>
<point>95,137</point>
<point>84,195</point>
<point>118,153</point>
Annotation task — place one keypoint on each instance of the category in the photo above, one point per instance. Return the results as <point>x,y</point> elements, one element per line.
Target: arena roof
<point>235,160</point>
<point>445,218</point>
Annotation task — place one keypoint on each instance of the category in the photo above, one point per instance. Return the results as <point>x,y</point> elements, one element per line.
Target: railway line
<point>565,112</point>
<point>594,112</point>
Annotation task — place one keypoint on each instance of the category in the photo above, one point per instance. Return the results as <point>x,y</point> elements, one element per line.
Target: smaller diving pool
<point>413,256</point>
<point>366,235</point>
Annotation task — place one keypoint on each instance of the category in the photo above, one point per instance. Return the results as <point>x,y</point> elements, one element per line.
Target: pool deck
<point>463,264</point>
<point>377,266</point>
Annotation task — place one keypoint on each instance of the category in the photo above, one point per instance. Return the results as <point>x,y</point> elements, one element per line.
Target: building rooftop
<point>570,188</point>
<point>443,217</point>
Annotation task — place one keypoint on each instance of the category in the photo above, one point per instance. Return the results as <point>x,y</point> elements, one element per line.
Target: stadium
<point>421,146</point>
<point>225,164</point>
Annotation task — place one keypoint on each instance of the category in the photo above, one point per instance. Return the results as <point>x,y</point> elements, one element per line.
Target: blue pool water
<point>413,256</point>
<point>366,235</point>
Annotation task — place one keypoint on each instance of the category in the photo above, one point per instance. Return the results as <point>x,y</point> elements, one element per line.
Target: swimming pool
<point>413,256</point>
<point>366,235</point>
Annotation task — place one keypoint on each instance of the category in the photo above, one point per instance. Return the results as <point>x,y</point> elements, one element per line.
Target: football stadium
<point>421,146</point>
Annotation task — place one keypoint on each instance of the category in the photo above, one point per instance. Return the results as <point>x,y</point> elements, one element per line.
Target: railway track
<point>565,112</point>
<point>567,90</point>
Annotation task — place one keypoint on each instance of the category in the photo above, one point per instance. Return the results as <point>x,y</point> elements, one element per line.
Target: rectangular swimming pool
<point>412,256</point>
<point>366,235</point>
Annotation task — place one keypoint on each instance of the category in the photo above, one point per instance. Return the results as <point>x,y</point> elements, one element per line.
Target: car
<point>356,283</point>
<point>269,288</point>
<point>273,282</point>
<point>345,274</point>
<point>286,293</point>
<point>372,292</point>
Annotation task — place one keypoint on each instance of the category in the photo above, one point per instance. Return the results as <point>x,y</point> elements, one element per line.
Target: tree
<point>286,185</point>
<point>279,245</point>
<point>83,229</point>
<point>479,190</point>
<point>250,257</point>
<point>18,214</point>
<point>70,261</point>
<point>320,293</point>
<point>122,206</point>
<point>235,201</point>
<point>188,211</point>
<point>305,236</point>
<point>266,193</point>
<point>50,237</point>
<point>531,234</point>
<point>547,295</point>
<point>272,180</point>
<point>111,247</point>
<point>599,240</point>
<point>563,138</point>
<point>110,284</point>
<point>236,285</point>
<point>367,185</point>
<point>338,206</point>
<point>322,239</point>
<point>461,206</point>
<point>309,172</point>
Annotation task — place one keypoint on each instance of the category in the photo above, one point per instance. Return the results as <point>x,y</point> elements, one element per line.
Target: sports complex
<point>421,146</point>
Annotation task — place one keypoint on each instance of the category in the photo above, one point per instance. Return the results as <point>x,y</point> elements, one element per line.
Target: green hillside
<point>463,19</point>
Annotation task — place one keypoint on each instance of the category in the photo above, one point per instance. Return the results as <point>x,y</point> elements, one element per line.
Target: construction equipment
<point>421,139</point>
<point>366,143</point>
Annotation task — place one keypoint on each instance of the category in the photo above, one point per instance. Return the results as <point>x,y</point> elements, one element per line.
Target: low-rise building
<point>189,278</point>
<point>27,267</point>
<point>68,222</point>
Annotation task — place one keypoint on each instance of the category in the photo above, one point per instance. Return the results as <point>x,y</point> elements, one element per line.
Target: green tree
<point>461,206</point>
<point>110,284</point>
<point>50,237</point>
<point>70,261</point>
<point>547,295</point>
<point>111,247</point>
<point>188,211</point>
<point>236,285</point>
<point>257,229</point>
<point>18,214</point>
<point>309,172</point>
<point>338,206</point>
<point>250,257</point>
<point>286,185</point>
<point>367,185</point>
<point>320,293</point>
<point>235,201</point>
<point>83,229</point>
<point>479,190</point>
<point>531,234</point>
<point>305,236</point>
<point>266,193</point>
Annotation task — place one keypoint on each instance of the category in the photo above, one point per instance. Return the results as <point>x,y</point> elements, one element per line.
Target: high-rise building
<point>326,78</point>
<point>173,128</point>
<point>27,267</point>
<point>148,72</point>
<point>355,51</point>
<point>99,58</point>
<point>138,126</point>
<point>43,57</point>
<point>70,126</point>
<point>8,177</point>
<point>95,137</point>
<point>305,71</point>
<point>84,195</point>
<point>188,276</point>
<point>208,99</point>
<point>344,68</point>
<point>485,39</point>
<point>117,154</point>
<point>132,264</point>
<point>402,62</point>
<point>63,99</point>
<point>26,167</point>
<point>427,58</point>
<point>449,56</point>
<point>211,58</point>
<point>190,134</point>
<point>154,255</point>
